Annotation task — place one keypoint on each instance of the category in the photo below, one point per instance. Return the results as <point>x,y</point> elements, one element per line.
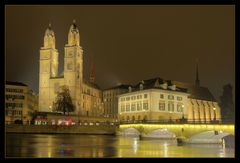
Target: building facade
<point>86,95</point>
<point>170,101</point>
<point>110,99</point>
<point>153,100</point>
<point>20,102</point>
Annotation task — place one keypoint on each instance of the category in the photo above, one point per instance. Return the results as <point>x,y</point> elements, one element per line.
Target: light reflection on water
<point>91,146</point>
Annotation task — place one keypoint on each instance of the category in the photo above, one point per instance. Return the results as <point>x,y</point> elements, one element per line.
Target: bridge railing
<point>178,121</point>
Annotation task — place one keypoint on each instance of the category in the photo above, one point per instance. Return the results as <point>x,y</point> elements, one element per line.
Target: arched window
<point>139,117</point>
<point>133,118</point>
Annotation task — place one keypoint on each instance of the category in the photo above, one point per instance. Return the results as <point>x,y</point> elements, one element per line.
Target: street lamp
<point>214,109</point>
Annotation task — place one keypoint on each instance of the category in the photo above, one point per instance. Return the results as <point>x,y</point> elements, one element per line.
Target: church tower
<point>73,65</point>
<point>48,68</point>
<point>197,81</point>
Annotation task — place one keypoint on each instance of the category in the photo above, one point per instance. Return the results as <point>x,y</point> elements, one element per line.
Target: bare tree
<point>63,102</point>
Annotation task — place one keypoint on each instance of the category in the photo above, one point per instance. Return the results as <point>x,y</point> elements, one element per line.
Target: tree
<point>226,104</point>
<point>63,102</point>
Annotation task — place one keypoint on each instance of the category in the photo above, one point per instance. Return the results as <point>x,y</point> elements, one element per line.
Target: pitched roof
<point>91,84</point>
<point>15,83</point>
<point>197,92</point>
<point>121,86</point>
<point>155,83</point>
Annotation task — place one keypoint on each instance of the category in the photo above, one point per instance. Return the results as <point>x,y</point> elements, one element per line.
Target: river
<point>93,146</point>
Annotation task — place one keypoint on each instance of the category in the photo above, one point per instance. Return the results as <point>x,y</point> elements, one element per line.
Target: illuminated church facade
<point>86,95</point>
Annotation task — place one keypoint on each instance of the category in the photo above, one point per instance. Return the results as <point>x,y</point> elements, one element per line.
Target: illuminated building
<point>86,95</point>
<point>153,99</point>
<point>20,102</point>
<point>158,99</point>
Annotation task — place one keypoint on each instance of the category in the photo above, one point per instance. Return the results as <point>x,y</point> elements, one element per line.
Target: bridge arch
<point>210,136</point>
<point>130,132</point>
<point>160,133</point>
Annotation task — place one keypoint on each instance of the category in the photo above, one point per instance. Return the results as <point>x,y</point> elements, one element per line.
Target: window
<point>170,97</point>
<point>139,96</point>
<point>128,98</point>
<point>139,106</point>
<point>179,98</point>
<point>171,107</point>
<point>161,106</point>
<point>161,96</point>
<point>145,105</point>
<point>145,95</point>
<point>133,98</point>
<point>133,107</point>
<point>13,97</point>
<point>14,90</point>
<point>122,99</point>
<point>180,107</point>
<point>127,107</point>
<point>122,108</point>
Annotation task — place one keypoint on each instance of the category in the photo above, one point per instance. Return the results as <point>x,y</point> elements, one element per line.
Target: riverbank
<point>55,129</point>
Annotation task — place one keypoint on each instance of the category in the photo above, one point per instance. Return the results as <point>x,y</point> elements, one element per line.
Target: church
<point>86,95</point>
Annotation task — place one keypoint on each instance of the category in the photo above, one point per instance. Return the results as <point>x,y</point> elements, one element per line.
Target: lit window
<point>139,106</point>
<point>180,107</point>
<point>161,96</point>
<point>170,97</point>
<point>179,98</point>
<point>122,108</point>
<point>133,107</point>
<point>171,107</point>
<point>145,105</point>
<point>127,107</point>
<point>161,106</point>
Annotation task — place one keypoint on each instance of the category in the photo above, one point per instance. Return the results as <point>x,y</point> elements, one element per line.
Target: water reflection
<point>91,146</point>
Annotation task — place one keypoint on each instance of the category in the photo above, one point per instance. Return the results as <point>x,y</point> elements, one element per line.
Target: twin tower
<point>49,78</point>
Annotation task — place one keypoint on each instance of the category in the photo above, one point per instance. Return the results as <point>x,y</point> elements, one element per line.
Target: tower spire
<point>92,78</point>
<point>197,81</point>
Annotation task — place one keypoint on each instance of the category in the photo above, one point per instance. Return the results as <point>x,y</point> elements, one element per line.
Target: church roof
<point>73,27</point>
<point>49,31</point>
<point>91,84</point>
<point>121,86</point>
<point>197,92</point>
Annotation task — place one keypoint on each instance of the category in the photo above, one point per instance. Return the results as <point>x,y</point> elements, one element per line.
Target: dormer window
<point>129,89</point>
<point>141,86</point>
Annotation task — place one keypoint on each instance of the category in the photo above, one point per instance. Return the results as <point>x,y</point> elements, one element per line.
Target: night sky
<point>128,43</point>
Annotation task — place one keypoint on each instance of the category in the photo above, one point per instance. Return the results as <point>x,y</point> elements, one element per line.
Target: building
<point>86,95</point>
<point>110,99</point>
<point>20,102</point>
<point>153,100</point>
<point>158,99</point>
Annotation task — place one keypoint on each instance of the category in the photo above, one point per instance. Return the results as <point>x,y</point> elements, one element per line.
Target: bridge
<point>189,131</point>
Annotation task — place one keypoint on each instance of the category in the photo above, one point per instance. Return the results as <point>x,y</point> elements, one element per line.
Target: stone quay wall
<point>55,129</point>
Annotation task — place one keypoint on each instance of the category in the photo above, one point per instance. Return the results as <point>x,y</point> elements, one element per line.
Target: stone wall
<point>55,129</point>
